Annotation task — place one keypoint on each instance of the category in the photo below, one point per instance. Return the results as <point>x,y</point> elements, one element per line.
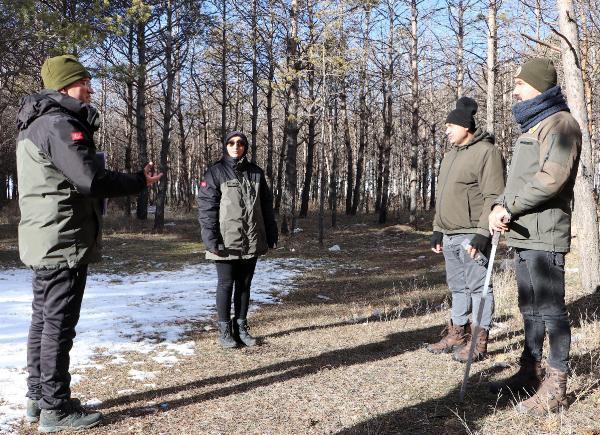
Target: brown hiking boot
<point>451,336</point>
<point>526,380</point>
<point>551,397</point>
<point>462,353</point>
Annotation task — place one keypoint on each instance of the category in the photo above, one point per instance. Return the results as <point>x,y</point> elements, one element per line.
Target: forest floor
<point>342,353</point>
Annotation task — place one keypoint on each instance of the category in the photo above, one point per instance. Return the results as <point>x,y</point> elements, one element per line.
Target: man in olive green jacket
<point>537,202</point>
<point>471,178</point>
<point>61,183</point>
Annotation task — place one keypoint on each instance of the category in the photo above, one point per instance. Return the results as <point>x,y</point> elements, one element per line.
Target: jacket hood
<point>47,101</point>
<point>478,136</point>
<point>229,136</point>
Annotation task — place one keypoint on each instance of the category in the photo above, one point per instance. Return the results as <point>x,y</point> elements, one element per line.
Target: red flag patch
<point>203,183</point>
<point>76,135</point>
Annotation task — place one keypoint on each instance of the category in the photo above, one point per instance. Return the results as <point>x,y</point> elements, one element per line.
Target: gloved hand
<point>480,242</point>
<point>436,241</point>
<point>218,252</point>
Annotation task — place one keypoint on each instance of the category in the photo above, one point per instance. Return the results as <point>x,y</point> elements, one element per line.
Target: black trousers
<point>57,296</point>
<point>541,284</point>
<point>232,273</point>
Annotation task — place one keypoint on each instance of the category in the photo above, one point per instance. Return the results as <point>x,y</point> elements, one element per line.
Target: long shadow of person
<point>447,415</point>
<point>394,344</point>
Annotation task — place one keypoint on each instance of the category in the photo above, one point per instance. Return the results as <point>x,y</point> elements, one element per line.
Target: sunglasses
<point>235,142</point>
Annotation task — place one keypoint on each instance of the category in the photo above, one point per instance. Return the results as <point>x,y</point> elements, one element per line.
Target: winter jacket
<point>471,178</point>
<point>235,210</point>
<point>60,182</point>
<point>539,189</point>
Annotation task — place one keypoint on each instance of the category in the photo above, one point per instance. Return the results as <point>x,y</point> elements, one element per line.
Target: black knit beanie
<point>463,115</point>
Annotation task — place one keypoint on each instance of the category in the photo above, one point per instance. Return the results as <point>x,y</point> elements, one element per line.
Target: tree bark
<point>492,43</point>
<point>140,114</point>
<point>585,216</point>
<point>414,127</point>
<point>159,216</point>
<point>291,133</point>
<point>363,113</point>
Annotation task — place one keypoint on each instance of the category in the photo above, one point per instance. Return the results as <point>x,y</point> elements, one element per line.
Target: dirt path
<point>344,353</point>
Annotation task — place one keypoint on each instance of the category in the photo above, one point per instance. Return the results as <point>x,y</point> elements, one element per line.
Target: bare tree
<point>586,216</point>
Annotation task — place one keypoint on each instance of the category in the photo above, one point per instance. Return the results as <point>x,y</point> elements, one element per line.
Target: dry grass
<point>343,354</point>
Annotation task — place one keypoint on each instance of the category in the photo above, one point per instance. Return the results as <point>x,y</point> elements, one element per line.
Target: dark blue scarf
<point>530,112</point>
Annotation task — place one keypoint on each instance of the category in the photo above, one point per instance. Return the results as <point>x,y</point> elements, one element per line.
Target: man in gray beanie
<point>61,183</point>
<point>537,202</point>
<point>471,177</point>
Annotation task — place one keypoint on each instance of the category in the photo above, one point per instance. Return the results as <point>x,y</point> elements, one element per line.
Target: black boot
<point>70,417</point>
<point>242,334</point>
<point>225,338</point>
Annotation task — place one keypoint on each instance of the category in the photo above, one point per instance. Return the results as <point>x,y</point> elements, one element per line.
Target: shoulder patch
<point>76,135</point>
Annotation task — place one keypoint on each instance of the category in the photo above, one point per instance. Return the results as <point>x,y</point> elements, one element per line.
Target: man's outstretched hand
<point>149,174</point>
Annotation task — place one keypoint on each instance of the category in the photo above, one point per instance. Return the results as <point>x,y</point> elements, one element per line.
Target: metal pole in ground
<point>475,331</point>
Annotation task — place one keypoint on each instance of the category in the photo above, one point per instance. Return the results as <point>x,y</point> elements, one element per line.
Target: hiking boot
<point>32,415</point>
<point>242,334</point>
<point>451,336</point>
<point>70,416</point>
<point>551,396</point>
<point>461,354</point>
<point>526,380</point>
<point>33,410</point>
<point>225,339</point>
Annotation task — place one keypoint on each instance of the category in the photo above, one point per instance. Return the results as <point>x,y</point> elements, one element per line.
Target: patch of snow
<point>147,313</point>
<point>165,358</point>
<point>170,224</point>
<point>297,230</point>
<point>140,375</point>
<point>325,298</point>
<point>335,248</point>
<point>118,359</point>
<point>93,402</point>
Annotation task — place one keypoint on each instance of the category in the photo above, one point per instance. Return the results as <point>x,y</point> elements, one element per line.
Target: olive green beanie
<point>539,73</point>
<point>60,71</point>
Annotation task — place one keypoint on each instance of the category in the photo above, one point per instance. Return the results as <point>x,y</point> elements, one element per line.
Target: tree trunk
<point>414,127</point>
<point>159,216</point>
<point>254,131</point>
<point>348,148</point>
<point>223,70</point>
<point>492,43</point>
<point>586,216</point>
<point>140,114</point>
<point>363,113</point>
<point>291,121</point>
<point>387,80</point>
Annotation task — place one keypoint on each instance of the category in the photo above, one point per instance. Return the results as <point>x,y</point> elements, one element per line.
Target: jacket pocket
<point>475,204</point>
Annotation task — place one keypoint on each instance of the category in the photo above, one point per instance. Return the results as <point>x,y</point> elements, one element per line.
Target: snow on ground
<point>145,313</point>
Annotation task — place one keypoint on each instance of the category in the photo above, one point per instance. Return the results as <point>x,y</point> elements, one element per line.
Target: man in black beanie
<point>537,201</point>
<point>471,176</point>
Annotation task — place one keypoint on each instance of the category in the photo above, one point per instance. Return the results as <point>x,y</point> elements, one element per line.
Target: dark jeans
<point>230,273</point>
<point>57,296</point>
<point>541,283</point>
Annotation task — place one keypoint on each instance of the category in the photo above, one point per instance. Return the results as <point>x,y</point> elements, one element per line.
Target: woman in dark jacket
<point>235,211</point>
